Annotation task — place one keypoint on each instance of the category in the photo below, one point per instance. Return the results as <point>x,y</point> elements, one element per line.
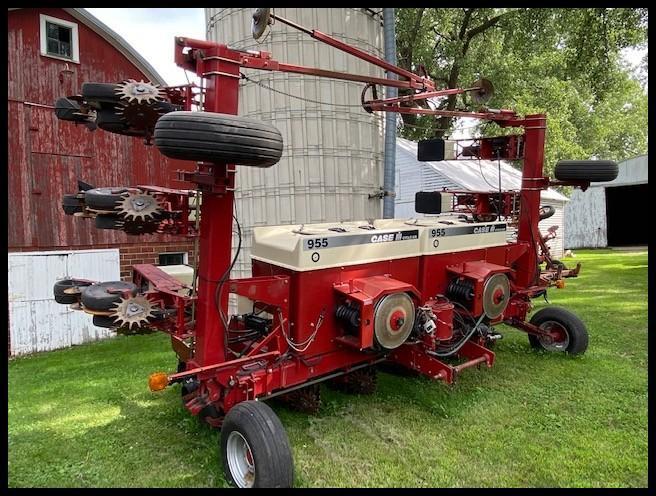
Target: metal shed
<point>601,215</point>
<point>469,175</point>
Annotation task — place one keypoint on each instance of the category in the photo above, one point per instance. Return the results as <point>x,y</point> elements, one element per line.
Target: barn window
<point>173,258</point>
<point>59,39</point>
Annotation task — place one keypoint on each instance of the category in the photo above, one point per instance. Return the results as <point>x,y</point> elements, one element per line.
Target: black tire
<point>108,221</point>
<point>428,202</point>
<point>586,170</point>
<point>573,326</point>
<point>104,198</point>
<point>60,286</point>
<point>222,138</point>
<point>107,120</point>
<point>100,92</point>
<point>96,296</point>
<point>66,110</point>
<point>71,204</point>
<point>269,446</point>
<point>104,321</point>
<point>546,211</point>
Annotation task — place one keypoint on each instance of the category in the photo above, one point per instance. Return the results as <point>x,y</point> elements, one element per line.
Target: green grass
<point>84,416</point>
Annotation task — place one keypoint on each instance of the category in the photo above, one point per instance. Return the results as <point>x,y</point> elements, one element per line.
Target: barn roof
<point>474,175</point>
<point>117,42</point>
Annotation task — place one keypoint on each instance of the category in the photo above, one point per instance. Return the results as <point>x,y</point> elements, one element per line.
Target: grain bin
<point>333,156</point>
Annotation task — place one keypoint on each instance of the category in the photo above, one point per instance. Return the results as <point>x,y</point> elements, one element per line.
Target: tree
<point>565,62</point>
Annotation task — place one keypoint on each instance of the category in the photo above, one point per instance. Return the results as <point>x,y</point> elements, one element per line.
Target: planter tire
<point>97,297</point>
<point>546,211</point>
<point>252,435</point>
<point>586,170</point>
<point>60,286</point>
<point>576,340</point>
<point>219,138</point>
<point>104,198</point>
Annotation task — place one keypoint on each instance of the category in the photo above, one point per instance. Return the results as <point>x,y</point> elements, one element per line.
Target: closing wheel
<point>60,287</point>
<point>568,332</point>
<point>219,138</point>
<point>104,198</point>
<point>255,447</point>
<point>98,296</point>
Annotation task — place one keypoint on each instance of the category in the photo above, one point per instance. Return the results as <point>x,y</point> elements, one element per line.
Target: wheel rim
<point>558,339</point>
<point>240,460</point>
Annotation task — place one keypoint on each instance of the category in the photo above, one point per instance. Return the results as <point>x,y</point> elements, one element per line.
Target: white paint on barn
<point>36,321</point>
<point>466,175</point>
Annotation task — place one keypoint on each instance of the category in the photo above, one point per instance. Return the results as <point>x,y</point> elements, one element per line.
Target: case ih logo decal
<point>359,239</point>
<point>398,236</point>
<point>459,231</point>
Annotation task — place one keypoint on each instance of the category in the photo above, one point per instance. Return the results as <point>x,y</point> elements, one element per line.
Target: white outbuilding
<point>604,214</point>
<point>466,175</point>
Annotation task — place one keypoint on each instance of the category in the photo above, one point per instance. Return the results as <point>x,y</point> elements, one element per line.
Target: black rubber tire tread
<point>108,221</point>
<point>586,170</point>
<point>428,202</point>
<point>100,92</point>
<point>104,321</point>
<point>107,120</point>
<point>96,297</point>
<point>546,211</point>
<point>65,110</point>
<point>222,138</point>
<point>71,204</point>
<point>60,286</point>
<point>578,334</point>
<point>269,444</point>
<point>104,198</point>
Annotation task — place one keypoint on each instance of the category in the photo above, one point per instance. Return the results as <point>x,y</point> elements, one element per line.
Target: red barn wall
<point>47,156</point>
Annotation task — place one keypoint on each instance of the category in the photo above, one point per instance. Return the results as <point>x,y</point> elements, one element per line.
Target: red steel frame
<point>300,302</point>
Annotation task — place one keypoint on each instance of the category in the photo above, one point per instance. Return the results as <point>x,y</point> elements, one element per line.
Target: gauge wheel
<point>569,332</point>
<point>255,447</point>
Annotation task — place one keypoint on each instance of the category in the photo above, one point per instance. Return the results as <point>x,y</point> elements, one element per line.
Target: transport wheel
<point>71,204</point>
<point>546,211</point>
<point>255,447</point>
<point>60,286</point>
<point>222,138</point>
<point>97,297</point>
<point>586,170</point>
<point>362,381</point>
<point>571,333</point>
<point>104,198</point>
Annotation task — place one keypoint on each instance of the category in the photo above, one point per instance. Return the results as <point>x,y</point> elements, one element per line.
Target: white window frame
<point>75,39</point>
<point>185,256</point>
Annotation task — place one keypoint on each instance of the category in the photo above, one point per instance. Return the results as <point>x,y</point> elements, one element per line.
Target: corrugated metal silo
<point>333,155</point>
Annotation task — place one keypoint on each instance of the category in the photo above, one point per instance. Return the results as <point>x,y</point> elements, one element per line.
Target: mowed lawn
<point>85,417</point>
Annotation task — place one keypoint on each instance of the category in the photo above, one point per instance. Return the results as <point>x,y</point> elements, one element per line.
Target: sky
<point>151,31</point>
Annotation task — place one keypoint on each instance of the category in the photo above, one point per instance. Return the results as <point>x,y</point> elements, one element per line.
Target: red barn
<point>51,52</point>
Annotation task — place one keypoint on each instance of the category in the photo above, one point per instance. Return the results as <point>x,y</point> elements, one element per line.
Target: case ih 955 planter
<point>326,302</point>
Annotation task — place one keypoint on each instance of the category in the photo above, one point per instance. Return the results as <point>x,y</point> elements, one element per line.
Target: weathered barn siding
<point>38,323</point>
<point>46,156</point>
<point>586,219</point>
